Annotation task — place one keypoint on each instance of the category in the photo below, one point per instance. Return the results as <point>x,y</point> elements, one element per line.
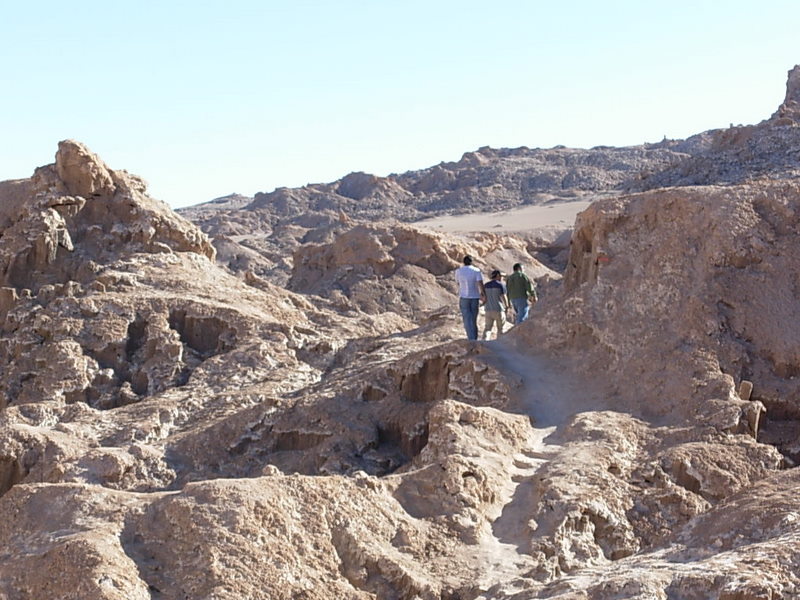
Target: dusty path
<point>553,393</point>
<point>553,389</point>
<point>501,554</point>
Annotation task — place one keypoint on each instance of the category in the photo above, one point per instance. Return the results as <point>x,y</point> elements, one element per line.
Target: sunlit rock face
<point>298,416</point>
<point>77,214</point>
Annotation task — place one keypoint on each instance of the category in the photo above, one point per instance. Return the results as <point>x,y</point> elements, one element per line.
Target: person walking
<point>471,295</point>
<point>521,290</point>
<point>496,304</point>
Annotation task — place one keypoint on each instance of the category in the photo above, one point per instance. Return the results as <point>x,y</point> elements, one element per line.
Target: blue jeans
<point>521,308</point>
<point>469,312</point>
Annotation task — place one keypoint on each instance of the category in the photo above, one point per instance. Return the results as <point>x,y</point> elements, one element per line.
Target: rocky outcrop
<point>359,186</point>
<point>685,273</point>
<point>789,110</point>
<point>77,215</point>
<point>112,298</point>
<point>399,268</point>
<point>82,172</point>
<point>78,238</point>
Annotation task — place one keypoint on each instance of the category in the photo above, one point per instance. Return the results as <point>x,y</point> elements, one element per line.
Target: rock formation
<point>789,112</point>
<point>261,236</point>
<point>686,275</point>
<point>400,269</point>
<point>72,217</point>
<point>303,420</point>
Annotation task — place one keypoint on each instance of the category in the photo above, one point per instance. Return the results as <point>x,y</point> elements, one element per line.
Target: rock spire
<point>790,109</point>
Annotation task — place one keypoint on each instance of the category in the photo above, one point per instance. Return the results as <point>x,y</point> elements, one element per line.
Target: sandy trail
<point>553,393</point>
<point>553,390</point>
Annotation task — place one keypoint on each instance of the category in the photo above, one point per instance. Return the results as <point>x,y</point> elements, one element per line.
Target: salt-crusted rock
<point>359,186</point>
<point>683,272</point>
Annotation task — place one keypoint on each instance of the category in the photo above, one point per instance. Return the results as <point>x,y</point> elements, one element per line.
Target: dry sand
<point>527,218</point>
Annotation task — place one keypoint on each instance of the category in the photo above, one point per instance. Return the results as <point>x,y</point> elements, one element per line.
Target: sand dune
<point>527,218</point>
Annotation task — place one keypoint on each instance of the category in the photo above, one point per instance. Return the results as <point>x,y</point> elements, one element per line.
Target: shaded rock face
<point>701,291</point>
<point>92,347</point>
<point>738,237</point>
<point>171,430</point>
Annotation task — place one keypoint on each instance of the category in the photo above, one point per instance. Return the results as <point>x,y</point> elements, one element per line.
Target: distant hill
<point>260,234</point>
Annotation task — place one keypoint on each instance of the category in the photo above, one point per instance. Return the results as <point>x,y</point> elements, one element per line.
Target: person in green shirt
<point>521,290</point>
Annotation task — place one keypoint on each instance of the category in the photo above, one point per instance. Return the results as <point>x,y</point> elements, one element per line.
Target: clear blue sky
<point>203,99</point>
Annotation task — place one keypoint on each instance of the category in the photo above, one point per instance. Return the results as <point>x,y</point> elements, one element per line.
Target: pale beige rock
<point>401,268</point>
<point>81,171</point>
<point>79,198</point>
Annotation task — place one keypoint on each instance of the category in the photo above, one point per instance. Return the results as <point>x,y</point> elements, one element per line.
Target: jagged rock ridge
<point>262,235</point>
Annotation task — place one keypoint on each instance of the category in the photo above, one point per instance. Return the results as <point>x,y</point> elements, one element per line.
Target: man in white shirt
<point>471,296</point>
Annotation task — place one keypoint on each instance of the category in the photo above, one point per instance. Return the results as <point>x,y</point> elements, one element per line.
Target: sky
<point>204,99</point>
